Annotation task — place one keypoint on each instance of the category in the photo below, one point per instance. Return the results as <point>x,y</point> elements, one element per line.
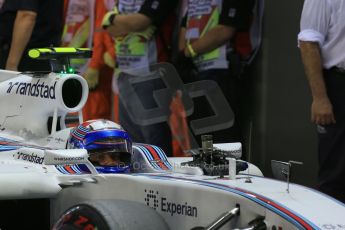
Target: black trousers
<point>331,176</point>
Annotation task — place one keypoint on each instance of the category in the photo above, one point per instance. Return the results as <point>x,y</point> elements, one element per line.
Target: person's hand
<point>92,77</point>
<point>322,112</point>
<point>108,19</point>
<point>150,31</point>
<point>109,60</point>
<point>189,51</point>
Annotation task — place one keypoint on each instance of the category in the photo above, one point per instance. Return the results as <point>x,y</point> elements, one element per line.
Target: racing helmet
<point>108,144</point>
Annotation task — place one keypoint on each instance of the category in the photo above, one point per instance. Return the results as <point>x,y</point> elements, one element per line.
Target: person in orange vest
<point>84,18</point>
<point>137,26</point>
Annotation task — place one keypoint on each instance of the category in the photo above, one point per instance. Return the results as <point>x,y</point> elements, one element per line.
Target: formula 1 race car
<point>43,161</point>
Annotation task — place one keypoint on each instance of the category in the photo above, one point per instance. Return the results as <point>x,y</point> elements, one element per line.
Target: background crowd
<point>199,37</point>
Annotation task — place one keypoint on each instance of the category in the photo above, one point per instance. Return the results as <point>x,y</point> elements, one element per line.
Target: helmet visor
<point>107,157</point>
<point>116,140</point>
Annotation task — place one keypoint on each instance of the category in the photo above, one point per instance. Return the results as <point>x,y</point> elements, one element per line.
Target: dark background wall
<point>277,123</point>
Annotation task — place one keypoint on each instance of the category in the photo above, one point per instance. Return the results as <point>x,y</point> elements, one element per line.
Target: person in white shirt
<point>322,45</point>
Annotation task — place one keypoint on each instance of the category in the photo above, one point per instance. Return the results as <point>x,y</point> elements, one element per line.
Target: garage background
<point>277,98</point>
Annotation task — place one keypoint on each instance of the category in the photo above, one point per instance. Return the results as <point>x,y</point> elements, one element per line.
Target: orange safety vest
<point>99,104</point>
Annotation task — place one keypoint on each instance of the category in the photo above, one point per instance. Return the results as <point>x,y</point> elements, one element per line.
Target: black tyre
<point>110,215</point>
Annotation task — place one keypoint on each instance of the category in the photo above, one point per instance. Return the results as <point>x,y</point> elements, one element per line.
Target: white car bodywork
<point>36,164</point>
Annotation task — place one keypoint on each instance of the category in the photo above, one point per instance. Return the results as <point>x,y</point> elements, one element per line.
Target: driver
<point>108,145</point>
<point>106,158</point>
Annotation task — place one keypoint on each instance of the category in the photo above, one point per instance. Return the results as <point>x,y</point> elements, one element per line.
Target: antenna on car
<point>59,57</point>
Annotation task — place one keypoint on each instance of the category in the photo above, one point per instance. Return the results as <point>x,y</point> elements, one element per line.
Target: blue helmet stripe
<point>83,128</point>
<point>97,135</point>
<point>77,135</point>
